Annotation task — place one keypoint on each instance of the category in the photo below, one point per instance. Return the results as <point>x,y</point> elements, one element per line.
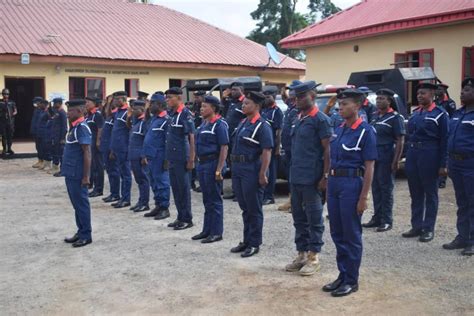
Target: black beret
<point>44,101</point>
<point>98,100</point>
<point>138,103</point>
<point>350,93</point>
<point>131,101</point>
<point>159,92</point>
<point>294,83</point>
<point>174,90</point>
<point>93,99</point>
<point>199,93</point>
<point>212,100</point>
<point>57,100</point>
<point>142,94</point>
<point>270,90</point>
<point>120,94</point>
<point>158,97</point>
<point>426,85</point>
<point>76,102</point>
<point>305,87</point>
<point>385,91</point>
<point>467,82</point>
<point>37,99</point>
<point>256,97</point>
<point>236,84</point>
<point>443,85</point>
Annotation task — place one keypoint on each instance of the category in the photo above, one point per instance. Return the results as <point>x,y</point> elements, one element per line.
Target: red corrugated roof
<point>374,17</point>
<point>116,29</point>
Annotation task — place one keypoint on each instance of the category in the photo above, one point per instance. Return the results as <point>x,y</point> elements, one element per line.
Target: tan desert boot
<point>286,207</point>
<point>312,264</point>
<point>47,166</point>
<point>37,164</point>
<point>42,165</point>
<point>298,263</point>
<point>54,169</point>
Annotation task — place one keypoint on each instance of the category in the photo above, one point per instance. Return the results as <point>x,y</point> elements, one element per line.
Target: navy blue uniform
<point>274,116</point>
<point>389,127</point>
<point>119,147</point>
<point>250,138</point>
<point>461,171</point>
<point>135,155</point>
<point>427,137</point>
<point>350,148</point>
<point>448,105</point>
<point>44,135</point>
<point>177,153</point>
<point>288,119</point>
<point>154,149</point>
<point>306,170</point>
<point>210,137</point>
<point>368,111</point>
<point>234,114</point>
<point>110,165</point>
<point>95,121</point>
<point>58,134</point>
<point>72,169</point>
<point>34,126</point>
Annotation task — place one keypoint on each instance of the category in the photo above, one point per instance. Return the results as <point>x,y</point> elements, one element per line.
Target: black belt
<point>419,145</point>
<point>206,158</point>
<point>242,158</point>
<point>352,173</point>
<point>455,156</point>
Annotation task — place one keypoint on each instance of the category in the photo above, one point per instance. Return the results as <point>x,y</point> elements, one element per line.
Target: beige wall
<point>56,76</point>
<point>333,63</point>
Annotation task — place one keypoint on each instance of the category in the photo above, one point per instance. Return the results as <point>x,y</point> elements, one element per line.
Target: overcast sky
<point>230,15</point>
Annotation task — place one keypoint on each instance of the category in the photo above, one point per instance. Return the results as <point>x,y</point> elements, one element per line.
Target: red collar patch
<point>255,118</point>
<point>115,110</point>
<point>78,121</point>
<point>366,102</point>
<point>162,114</point>
<point>180,108</point>
<point>215,118</point>
<point>93,111</point>
<point>390,110</point>
<point>355,124</point>
<point>141,117</point>
<point>274,106</point>
<point>124,107</point>
<point>241,98</point>
<point>311,113</point>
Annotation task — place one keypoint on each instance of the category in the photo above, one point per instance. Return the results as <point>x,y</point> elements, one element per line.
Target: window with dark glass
<point>132,87</point>
<point>80,88</point>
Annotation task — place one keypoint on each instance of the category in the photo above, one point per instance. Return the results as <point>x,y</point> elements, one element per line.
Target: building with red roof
<point>382,34</point>
<point>78,48</point>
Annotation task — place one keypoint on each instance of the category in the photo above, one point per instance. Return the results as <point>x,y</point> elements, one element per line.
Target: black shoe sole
<point>206,241</point>
<point>345,294</point>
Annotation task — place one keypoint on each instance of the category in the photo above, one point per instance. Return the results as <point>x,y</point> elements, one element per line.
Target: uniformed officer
<point>427,136</point>
<point>8,111</point>
<point>110,165</point>
<point>154,151</point>
<point>369,109</point>
<point>95,121</point>
<point>353,152</point>
<point>288,118</point>
<point>274,116</point>
<point>443,100</point>
<point>135,155</point>
<point>44,135</point>
<point>76,169</point>
<point>58,135</point>
<point>251,155</point>
<point>212,141</point>
<point>232,103</point>
<point>390,128</point>
<point>180,154</point>
<point>119,148</point>
<point>34,129</point>
<point>310,136</point>
<point>196,110</point>
<point>461,168</point>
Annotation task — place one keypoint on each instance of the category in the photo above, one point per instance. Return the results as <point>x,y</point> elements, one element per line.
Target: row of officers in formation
<point>157,140</point>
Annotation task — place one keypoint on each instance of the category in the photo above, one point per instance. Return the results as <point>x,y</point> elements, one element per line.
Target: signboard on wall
<point>105,71</point>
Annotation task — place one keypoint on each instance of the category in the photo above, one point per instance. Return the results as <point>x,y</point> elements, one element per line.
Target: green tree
<point>278,18</point>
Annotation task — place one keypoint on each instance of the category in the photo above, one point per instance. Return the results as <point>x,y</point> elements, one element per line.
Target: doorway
<point>22,91</point>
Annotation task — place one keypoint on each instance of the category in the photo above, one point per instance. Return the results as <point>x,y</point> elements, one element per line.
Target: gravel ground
<point>139,266</point>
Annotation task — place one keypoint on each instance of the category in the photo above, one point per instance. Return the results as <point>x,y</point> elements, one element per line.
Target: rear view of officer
<point>76,169</point>
<point>95,121</point>
<point>58,135</point>
<point>44,135</point>
<point>34,129</point>
<point>461,169</point>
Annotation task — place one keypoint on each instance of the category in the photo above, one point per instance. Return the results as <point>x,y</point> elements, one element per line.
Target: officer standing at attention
<point>95,121</point>
<point>34,129</point>
<point>427,137</point>
<point>274,116</point>
<point>353,152</point>
<point>135,155</point>
<point>119,148</point>
<point>44,133</point>
<point>288,119</point>
<point>443,100</point>
<point>180,154</point>
<point>461,168</point>
<point>369,109</point>
<point>232,102</point>
<point>212,141</point>
<point>196,110</point>
<point>110,165</point>
<point>76,168</point>
<point>310,162</point>
<point>251,154</point>
<point>8,111</point>
<point>58,130</point>
<point>154,151</point>
<point>390,128</point>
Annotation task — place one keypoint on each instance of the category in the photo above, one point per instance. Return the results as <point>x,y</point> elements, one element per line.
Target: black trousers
<point>6,130</point>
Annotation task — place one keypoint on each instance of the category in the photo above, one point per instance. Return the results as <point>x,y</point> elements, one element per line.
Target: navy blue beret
<point>426,85</point>
<point>120,94</point>
<point>199,93</point>
<point>76,102</point>
<point>138,103</point>
<point>93,99</point>
<point>365,90</point>
<point>57,100</point>
<point>305,87</point>
<point>350,93</point>
<point>467,82</point>
<point>256,97</point>
<point>174,90</point>
<point>294,83</point>
<point>385,91</point>
<point>212,100</point>
<point>158,97</point>
<point>236,84</point>
<point>142,94</point>
<point>37,99</point>
<point>270,90</point>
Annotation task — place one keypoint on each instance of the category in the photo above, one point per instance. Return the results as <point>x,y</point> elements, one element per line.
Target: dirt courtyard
<point>139,266</point>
